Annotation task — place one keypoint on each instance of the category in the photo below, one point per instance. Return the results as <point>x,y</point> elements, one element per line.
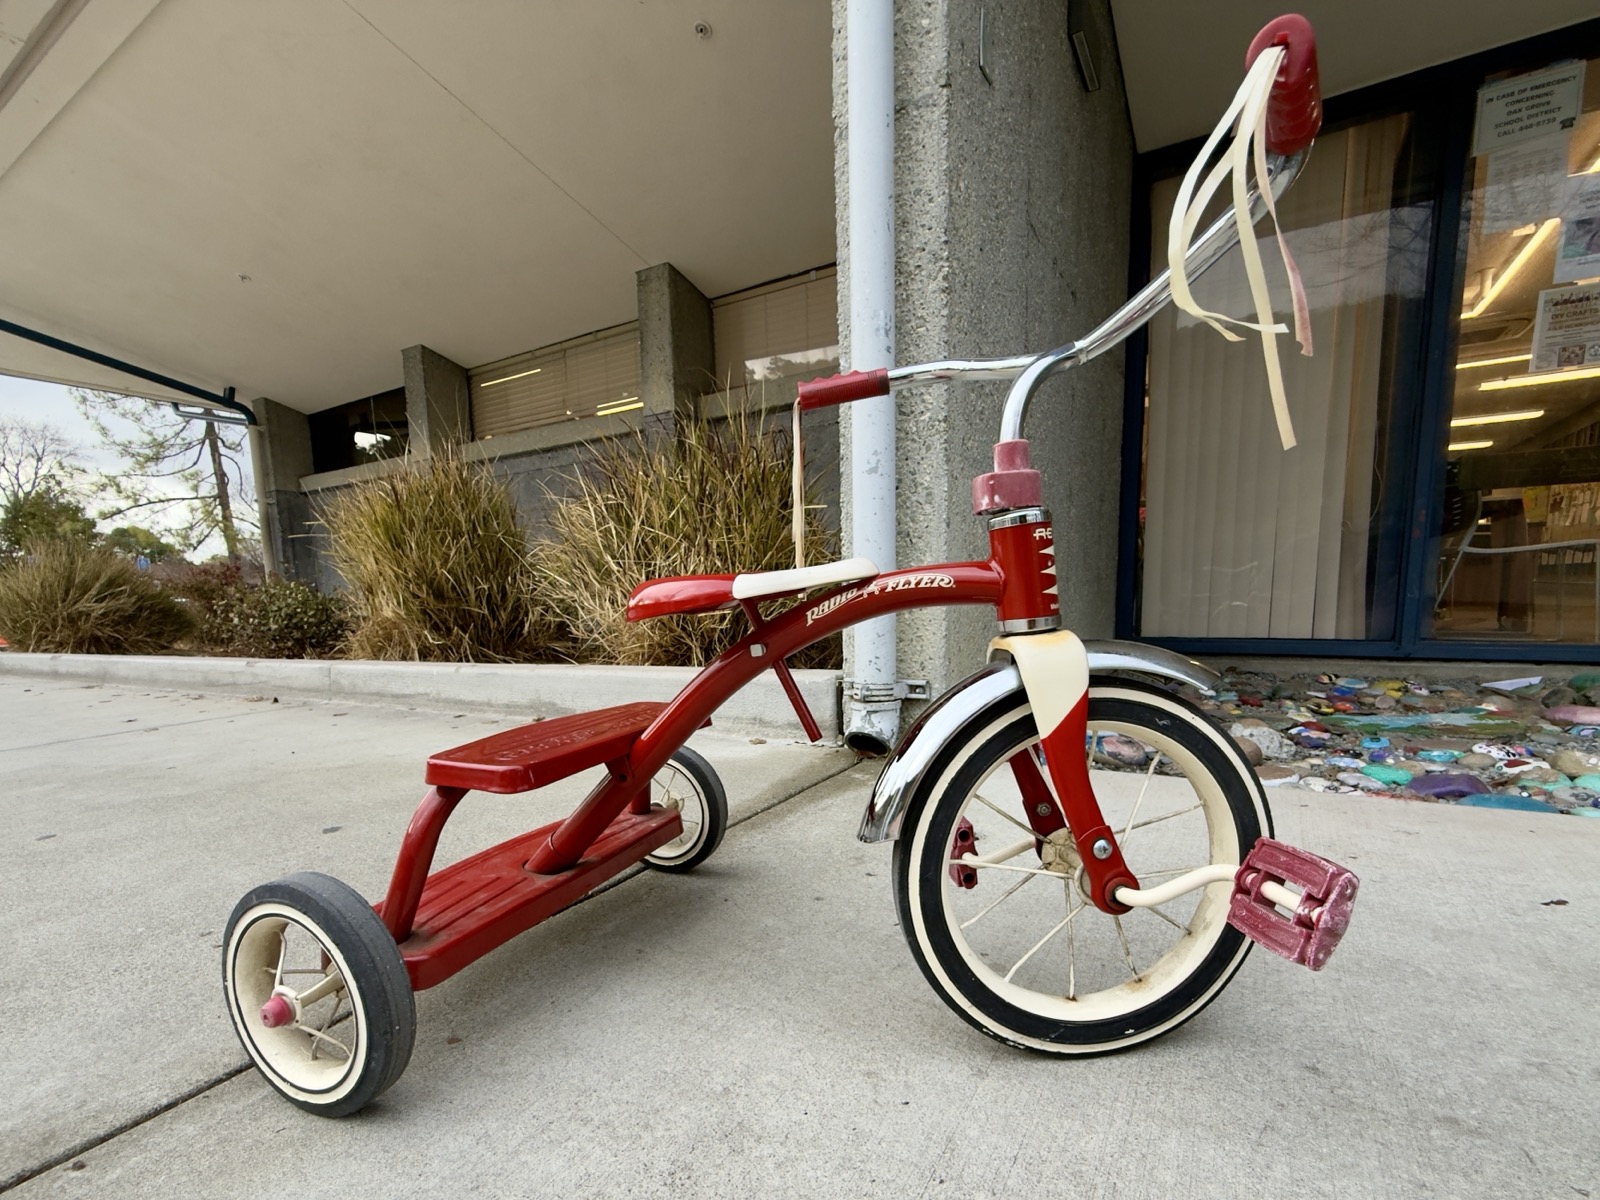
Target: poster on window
<point>1525,184</point>
<point>1566,332</point>
<point>1528,107</point>
<point>1578,251</point>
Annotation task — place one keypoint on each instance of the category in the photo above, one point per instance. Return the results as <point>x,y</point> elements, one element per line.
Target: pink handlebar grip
<point>1294,111</point>
<point>841,389</point>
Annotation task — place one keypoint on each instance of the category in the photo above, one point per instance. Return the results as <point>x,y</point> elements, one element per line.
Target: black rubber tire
<point>972,988</point>
<point>714,809</point>
<point>352,937</point>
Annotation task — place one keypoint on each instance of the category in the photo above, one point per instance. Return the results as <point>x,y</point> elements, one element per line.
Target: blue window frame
<point>1417,383</point>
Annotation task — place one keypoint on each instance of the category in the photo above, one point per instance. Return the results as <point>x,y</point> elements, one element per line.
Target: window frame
<point>1441,100</point>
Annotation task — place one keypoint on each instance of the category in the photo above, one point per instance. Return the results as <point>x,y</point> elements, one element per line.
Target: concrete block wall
<point>1012,229</point>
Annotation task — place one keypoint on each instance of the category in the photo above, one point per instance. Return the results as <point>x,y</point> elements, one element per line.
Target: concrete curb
<point>543,689</point>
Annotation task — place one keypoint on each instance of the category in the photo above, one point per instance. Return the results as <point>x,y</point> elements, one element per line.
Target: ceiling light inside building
<point>509,378</point>
<point>1527,414</point>
<point>626,404</point>
<point>1539,380</point>
<point>1507,360</point>
<point>1492,292</point>
<point>1454,446</point>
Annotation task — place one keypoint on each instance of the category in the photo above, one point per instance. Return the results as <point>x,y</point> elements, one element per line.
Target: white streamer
<point>1247,119</point>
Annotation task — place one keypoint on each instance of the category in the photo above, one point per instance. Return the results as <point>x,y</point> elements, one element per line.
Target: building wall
<point>1012,227</point>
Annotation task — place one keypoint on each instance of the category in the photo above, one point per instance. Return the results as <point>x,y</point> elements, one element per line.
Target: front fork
<point>1055,672</point>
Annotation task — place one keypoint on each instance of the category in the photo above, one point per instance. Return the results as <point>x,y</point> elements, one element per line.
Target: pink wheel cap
<point>277,1012</point>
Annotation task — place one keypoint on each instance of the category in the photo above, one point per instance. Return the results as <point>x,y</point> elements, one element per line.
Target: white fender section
<point>755,584</point>
<point>1055,672</point>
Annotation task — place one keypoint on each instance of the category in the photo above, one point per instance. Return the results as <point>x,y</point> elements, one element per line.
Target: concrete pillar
<point>1012,228</point>
<point>675,356</point>
<point>438,401</point>
<point>280,446</point>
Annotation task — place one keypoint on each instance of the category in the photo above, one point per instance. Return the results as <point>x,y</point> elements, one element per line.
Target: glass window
<point>1240,538</point>
<point>777,332</point>
<point>1516,548</point>
<point>596,375</point>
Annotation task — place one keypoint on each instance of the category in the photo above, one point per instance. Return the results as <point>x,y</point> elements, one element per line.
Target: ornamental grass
<point>68,596</point>
<point>714,499</point>
<point>437,567</point>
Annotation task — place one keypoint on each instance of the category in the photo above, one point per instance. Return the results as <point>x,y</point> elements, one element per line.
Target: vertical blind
<point>597,374</point>
<point>1243,539</point>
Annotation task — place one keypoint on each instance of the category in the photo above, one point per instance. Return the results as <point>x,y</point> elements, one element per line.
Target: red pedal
<point>1311,933</point>
<point>965,842</point>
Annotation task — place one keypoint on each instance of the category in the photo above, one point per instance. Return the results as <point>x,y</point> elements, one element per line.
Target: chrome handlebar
<point>1031,370</point>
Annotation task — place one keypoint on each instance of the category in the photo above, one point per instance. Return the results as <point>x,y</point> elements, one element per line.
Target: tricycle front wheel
<point>318,993</point>
<point>999,917</point>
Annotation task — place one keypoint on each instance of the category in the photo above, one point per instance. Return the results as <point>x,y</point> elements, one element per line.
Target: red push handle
<point>1294,110</point>
<point>841,389</point>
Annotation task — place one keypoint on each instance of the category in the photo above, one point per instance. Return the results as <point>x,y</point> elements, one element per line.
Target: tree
<point>46,514</point>
<point>188,470</point>
<point>135,540</point>
<point>34,457</point>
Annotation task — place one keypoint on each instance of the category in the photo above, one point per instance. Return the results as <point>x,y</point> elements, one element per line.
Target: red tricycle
<point>1081,857</point>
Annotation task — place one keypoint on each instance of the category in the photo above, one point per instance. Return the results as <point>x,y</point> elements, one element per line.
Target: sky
<point>51,403</point>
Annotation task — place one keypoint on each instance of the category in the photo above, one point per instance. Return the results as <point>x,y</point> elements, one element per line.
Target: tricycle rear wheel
<point>318,993</point>
<point>689,784</point>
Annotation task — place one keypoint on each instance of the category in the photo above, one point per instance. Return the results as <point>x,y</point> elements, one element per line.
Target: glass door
<point>1517,540</point>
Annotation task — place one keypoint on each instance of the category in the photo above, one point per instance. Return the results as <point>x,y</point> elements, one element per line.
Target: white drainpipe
<point>872,720</point>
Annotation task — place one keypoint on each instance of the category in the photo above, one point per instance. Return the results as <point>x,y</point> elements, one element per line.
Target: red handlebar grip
<point>841,389</point>
<point>1294,110</point>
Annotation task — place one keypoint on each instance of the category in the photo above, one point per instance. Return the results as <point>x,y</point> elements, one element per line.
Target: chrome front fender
<point>914,756</point>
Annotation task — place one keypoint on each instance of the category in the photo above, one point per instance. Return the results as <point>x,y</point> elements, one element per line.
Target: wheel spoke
<point>974,861</point>
<point>993,904</point>
<point>1145,787</point>
<point>1039,945</point>
<point>330,983</point>
<point>1151,908</point>
<point>283,949</point>
<point>1166,872</point>
<point>1177,812</point>
<point>1127,951</point>
<point>1072,946</point>
<point>983,800</point>
<point>318,1036</point>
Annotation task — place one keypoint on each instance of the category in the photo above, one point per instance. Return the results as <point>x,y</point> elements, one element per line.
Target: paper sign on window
<point>1527,107</point>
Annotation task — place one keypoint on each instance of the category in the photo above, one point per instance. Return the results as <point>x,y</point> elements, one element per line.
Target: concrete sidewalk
<point>757,1027</point>
<point>535,689</point>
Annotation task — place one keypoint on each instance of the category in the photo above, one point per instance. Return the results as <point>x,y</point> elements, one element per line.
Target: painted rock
<point>1385,774</point>
<point>1575,762</point>
<point>1124,751</point>
<point>1573,714</point>
<point>1273,744</point>
<point>1275,775</point>
<point>1251,750</point>
<point>1592,782</point>
<point>1515,803</point>
<point>1439,756</point>
<point>1447,786</point>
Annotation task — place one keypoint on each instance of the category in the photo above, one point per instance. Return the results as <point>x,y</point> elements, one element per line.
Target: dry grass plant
<point>713,500</point>
<point>438,568</point>
<point>68,597</point>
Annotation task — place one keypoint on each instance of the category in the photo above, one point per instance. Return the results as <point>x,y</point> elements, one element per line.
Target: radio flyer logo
<point>899,583</point>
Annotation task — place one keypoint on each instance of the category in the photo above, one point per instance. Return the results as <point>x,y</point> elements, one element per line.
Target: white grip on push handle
<point>1278,107</point>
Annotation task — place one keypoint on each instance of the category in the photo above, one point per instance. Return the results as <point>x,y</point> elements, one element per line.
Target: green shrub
<point>437,566</point>
<point>68,597</point>
<point>280,619</point>
<point>715,499</point>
